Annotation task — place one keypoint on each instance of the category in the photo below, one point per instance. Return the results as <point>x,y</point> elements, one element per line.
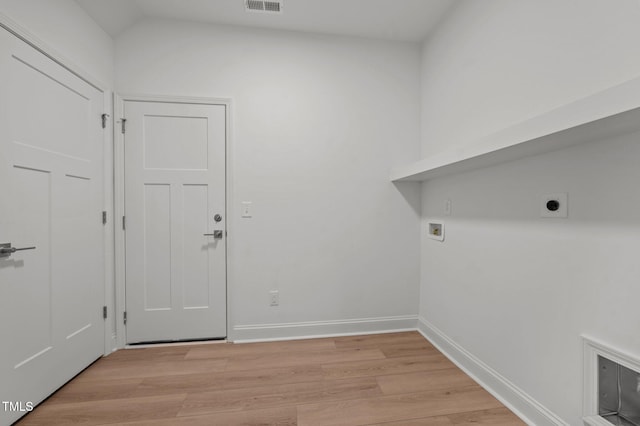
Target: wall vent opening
<point>618,393</point>
<point>612,387</point>
<point>263,6</point>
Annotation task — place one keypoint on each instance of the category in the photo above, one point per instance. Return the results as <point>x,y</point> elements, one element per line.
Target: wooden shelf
<point>603,115</point>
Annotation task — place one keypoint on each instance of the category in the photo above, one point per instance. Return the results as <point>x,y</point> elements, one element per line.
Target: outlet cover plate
<point>447,207</point>
<point>563,210</point>
<point>274,298</point>
<point>247,209</point>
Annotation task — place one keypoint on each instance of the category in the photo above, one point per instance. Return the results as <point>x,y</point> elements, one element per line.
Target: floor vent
<point>264,6</point>
<point>612,387</point>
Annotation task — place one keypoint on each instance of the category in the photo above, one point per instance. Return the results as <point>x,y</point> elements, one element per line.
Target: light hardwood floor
<point>390,379</point>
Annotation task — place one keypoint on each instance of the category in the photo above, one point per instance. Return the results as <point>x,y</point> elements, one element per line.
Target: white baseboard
<point>317,329</point>
<point>522,404</point>
<point>596,421</point>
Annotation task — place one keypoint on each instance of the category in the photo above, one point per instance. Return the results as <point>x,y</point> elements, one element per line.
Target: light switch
<point>246,209</point>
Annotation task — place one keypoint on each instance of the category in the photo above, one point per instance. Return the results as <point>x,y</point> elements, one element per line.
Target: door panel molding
<point>40,45</point>
<point>52,198</point>
<point>119,197</point>
<point>50,52</point>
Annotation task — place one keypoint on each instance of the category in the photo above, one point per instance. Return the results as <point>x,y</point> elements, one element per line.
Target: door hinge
<point>104,217</point>
<point>104,312</point>
<point>124,125</point>
<point>125,317</point>
<point>104,120</point>
<point>124,223</point>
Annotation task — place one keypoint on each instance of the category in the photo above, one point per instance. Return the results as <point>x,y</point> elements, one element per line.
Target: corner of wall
<point>518,401</point>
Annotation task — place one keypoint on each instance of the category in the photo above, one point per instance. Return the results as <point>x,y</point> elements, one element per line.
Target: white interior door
<point>174,188</point>
<point>51,297</point>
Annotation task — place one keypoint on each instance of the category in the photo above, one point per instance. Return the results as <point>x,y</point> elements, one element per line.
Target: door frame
<point>119,188</point>
<point>50,52</point>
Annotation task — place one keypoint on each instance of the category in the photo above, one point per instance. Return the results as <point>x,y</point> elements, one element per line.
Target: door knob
<point>7,250</point>
<point>216,235</point>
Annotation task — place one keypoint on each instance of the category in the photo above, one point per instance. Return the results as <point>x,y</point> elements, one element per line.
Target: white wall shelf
<point>603,115</point>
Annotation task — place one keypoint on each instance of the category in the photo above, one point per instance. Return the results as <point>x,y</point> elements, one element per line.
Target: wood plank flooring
<point>383,379</point>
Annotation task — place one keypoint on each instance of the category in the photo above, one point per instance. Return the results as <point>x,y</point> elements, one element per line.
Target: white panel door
<point>51,297</point>
<point>174,188</point>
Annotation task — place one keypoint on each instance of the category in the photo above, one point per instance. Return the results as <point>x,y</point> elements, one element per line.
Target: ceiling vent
<point>264,6</point>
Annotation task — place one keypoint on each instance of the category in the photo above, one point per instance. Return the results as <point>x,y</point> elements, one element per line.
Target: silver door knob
<point>7,250</point>
<point>216,235</point>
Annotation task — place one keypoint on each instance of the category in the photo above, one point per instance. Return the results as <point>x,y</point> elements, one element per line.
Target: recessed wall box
<point>435,230</point>
<point>612,386</point>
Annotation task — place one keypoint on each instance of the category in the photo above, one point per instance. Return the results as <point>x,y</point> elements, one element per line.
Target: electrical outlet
<point>274,298</point>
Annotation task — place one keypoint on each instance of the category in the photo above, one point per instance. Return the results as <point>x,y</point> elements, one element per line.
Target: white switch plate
<point>447,207</point>
<point>246,208</point>
<point>563,210</point>
<point>274,298</point>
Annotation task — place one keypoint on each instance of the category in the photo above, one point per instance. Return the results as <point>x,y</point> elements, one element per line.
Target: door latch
<point>7,250</point>
<point>217,235</point>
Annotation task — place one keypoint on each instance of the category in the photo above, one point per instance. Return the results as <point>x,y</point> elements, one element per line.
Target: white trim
<point>607,113</point>
<point>118,212</point>
<point>514,398</point>
<point>108,232</point>
<point>592,349</point>
<point>174,99</point>
<point>596,421</point>
<point>174,344</point>
<point>118,141</point>
<point>37,43</point>
<point>318,329</point>
<point>231,214</point>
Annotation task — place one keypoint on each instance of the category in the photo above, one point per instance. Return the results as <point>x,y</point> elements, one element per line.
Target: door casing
<point>119,207</point>
<point>114,186</point>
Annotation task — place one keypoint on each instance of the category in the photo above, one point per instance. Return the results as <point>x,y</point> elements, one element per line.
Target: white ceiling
<point>404,20</point>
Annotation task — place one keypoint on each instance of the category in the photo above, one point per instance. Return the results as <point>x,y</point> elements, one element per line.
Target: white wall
<point>318,121</point>
<point>514,290</point>
<point>498,62</point>
<point>65,27</point>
